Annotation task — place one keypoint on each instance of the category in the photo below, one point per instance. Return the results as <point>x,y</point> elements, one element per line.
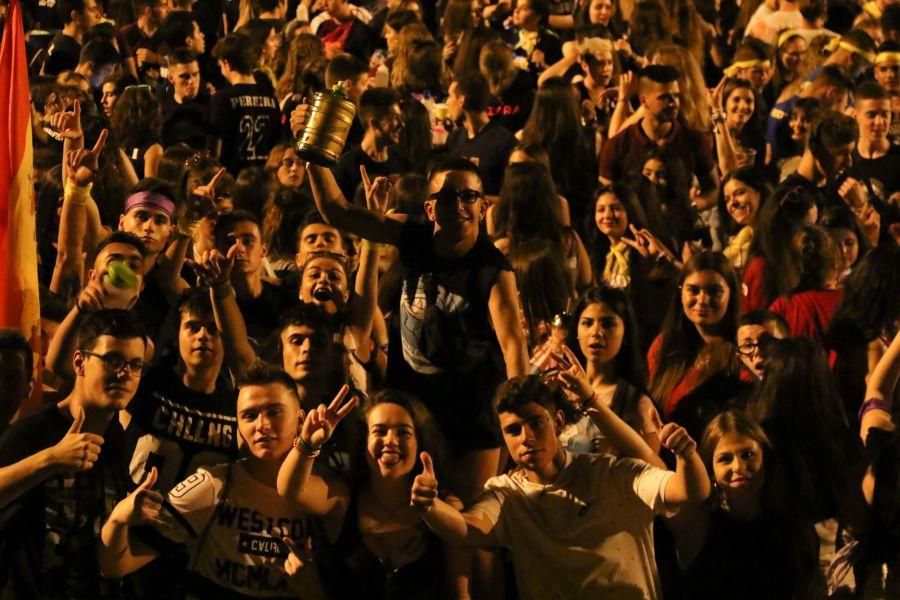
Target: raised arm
<point>622,436</point>
<point>691,482</point>
<point>880,390</point>
<point>215,272</point>
<point>320,496</point>
<point>503,305</point>
<point>333,205</point>
<point>68,272</point>
<point>570,53</point>
<point>472,528</point>
<point>364,302</point>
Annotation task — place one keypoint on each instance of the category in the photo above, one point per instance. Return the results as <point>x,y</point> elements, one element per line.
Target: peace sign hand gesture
<point>320,423</point>
<point>84,164</point>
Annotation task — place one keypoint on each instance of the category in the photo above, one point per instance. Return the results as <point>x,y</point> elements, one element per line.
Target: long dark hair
<point>629,363</point>
<point>526,210</point>
<point>674,198</point>
<point>778,220</point>
<point>555,124</point>
<point>800,409</point>
<point>755,179</point>
<point>545,284</point>
<point>751,134</point>
<point>598,243</point>
<point>681,342</point>
<point>136,117</point>
<point>818,259</point>
<point>866,311</point>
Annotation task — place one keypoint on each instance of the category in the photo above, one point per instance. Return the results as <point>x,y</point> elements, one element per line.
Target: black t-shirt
<point>261,313</point>
<point>490,150</point>
<point>444,348</point>
<point>885,169</point>
<point>346,172</point>
<point>185,123</point>
<point>247,119</point>
<point>513,106</point>
<point>49,536</point>
<point>64,53</point>
<point>179,429</point>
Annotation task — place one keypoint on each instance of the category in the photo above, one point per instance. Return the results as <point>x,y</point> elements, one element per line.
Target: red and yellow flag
<point>19,304</point>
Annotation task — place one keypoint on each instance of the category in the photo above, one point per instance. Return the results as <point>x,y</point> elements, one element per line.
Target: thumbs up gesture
<point>424,487</point>
<point>76,451</point>
<point>140,507</point>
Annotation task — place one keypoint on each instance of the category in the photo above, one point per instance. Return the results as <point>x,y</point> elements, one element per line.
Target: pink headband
<point>151,199</point>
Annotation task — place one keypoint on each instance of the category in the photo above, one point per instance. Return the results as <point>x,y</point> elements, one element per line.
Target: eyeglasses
<point>142,87</point>
<point>749,350</point>
<point>464,196</point>
<point>114,362</point>
<point>196,159</point>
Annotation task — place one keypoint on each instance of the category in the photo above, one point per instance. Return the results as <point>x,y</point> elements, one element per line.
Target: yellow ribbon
<point>837,42</point>
<point>527,41</point>
<point>739,247</point>
<point>617,272</point>
<point>786,35</point>
<point>731,71</point>
<point>883,57</point>
<point>872,9</point>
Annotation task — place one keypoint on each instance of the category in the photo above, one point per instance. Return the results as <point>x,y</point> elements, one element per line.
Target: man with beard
<point>625,153</point>
<point>71,468</point>
<point>380,115</point>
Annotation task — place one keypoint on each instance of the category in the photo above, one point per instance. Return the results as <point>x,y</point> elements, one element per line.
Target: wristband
<point>370,245</point>
<point>304,449</point>
<point>587,404</point>
<point>873,404</point>
<point>77,194</point>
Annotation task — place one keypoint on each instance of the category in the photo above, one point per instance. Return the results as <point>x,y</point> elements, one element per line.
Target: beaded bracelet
<point>305,449</point>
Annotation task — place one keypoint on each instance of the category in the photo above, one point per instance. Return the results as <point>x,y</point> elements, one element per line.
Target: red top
<point>808,313</point>
<point>688,383</point>
<point>752,295</point>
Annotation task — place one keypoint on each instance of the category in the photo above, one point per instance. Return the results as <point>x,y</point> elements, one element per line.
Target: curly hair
<point>136,117</point>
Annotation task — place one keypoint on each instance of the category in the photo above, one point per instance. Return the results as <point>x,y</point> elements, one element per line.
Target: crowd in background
<point>600,300</point>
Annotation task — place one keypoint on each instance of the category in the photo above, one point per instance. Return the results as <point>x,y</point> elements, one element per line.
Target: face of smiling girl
<point>741,201</point>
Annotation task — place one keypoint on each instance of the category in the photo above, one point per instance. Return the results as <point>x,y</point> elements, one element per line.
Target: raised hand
<point>68,123</point>
<point>647,244</point>
<point>84,164</point>
<point>142,506</point>
<point>320,423</point>
<point>299,116</point>
<point>715,95</point>
<point>208,191</point>
<point>76,451</point>
<point>92,296</point>
<point>297,557</point>
<point>376,191</point>
<point>676,438</point>
<point>626,86</point>
<point>854,194</point>
<point>213,268</point>
<point>425,487</point>
<point>572,377</point>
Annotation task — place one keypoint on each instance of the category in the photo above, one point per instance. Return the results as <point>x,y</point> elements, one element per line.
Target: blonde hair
<point>694,99</point>
<point>407,38</point>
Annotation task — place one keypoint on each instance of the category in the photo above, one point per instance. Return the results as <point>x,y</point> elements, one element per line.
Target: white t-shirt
<point>586,535</point>
<point>242,550</point>
<point>778,21</point>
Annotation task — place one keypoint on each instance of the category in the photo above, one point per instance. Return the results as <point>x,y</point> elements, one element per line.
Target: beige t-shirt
<point>587,535</point>
<point>242,550</point>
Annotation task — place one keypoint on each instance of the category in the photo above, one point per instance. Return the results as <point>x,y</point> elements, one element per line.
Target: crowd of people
<point>600,300</point>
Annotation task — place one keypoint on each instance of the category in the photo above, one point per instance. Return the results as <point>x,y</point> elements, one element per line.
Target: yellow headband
<point>732,70</point>
<point>837,42</point>
<point>883,57</point>
<point>786,35</point>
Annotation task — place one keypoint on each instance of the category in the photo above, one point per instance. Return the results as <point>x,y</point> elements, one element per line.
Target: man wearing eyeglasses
<point>754,327</point>
<point>64,467</point>
<point>457,317</point>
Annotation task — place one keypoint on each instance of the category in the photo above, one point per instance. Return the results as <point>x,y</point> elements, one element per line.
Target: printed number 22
<point>253,130</point>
